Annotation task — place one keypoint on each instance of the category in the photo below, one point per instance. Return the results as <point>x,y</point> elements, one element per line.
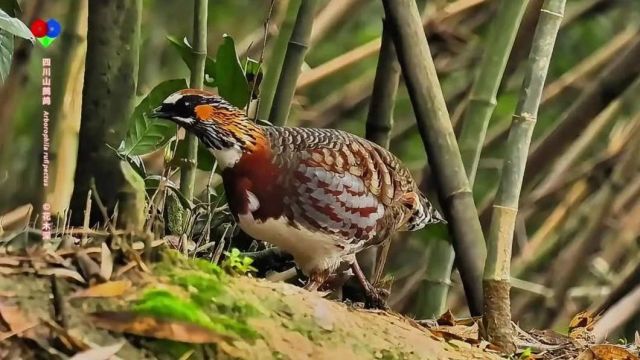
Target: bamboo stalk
<point>482,102</point>
<point>431,299</point>
<point>385,86</point>
<point>482,99</point>
<point>276,58</point>
<point>439,141</point>
<point>497,271</point>
<point>67,107</point>
<point>188,168</point>
<point>380,122</point>
<point>292,64</point>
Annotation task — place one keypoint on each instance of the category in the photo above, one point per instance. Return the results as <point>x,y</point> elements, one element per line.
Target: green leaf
<point>186,53</point>
<point>6,53</point>
<point>205,161</point>
<point>232,84</point>
<point>15,26</point>
<point>145,134</point>
<point>134,179</point>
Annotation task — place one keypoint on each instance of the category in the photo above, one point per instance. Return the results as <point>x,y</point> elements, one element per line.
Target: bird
<point>321,195</point>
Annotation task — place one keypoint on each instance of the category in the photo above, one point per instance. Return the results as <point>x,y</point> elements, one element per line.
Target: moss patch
<point>204,300</point>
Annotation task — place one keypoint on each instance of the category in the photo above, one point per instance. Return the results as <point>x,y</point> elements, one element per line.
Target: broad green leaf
<point>186,53</point>
<point>6,53</point>
<point>232,84</point>
<point>15,26</point>
<point>205,161</point>
<point>145,134</point>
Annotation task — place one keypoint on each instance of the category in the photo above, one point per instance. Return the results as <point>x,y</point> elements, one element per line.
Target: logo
<point>46,31</point>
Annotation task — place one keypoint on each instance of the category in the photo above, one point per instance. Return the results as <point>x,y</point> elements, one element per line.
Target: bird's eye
<point>187,104</point>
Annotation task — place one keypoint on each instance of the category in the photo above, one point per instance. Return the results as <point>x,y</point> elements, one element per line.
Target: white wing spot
<point>254,203</point>
<point>227,157</point>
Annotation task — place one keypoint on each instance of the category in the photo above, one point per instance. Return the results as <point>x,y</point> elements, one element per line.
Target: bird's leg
<point>316,279</point>
<point>375,298</point>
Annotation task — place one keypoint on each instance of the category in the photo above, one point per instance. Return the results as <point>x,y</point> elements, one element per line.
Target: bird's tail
<point>424,214</point>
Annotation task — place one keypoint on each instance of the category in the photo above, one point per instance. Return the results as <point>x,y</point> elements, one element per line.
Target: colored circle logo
<point>53,28</point>
<point>39,28</point>
<point>46,31</point>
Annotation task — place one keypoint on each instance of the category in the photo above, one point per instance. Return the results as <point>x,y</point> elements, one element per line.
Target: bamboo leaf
<point>146,135</point>
<point>232,83</point>
<point>15,27</point>
<point>6,53</point>
<point>188,56</point>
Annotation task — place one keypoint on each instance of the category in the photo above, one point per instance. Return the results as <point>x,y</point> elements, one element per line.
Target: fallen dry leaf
<point>4,270</point>
<point>17,321</point>
<point>151,326</point>
<point>125,268</point>
<point>9,261</point>
<point>607,352</point>
<point>99,353</point>
<point>106,262</point>
<point>468,334</point>
<point>62,272</point>
<point>583,319</point>
<point>447,319</point>
<point>89,268</point>
<point>107,289</point>
<point>16,219</point>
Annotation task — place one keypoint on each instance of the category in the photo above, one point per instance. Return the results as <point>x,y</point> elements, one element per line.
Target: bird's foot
<point>376,298</point>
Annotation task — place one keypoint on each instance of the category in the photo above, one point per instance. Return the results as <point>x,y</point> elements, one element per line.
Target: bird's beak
<point>158,113</point>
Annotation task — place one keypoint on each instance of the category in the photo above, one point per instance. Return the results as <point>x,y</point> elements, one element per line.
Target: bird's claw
<point>376,298</point>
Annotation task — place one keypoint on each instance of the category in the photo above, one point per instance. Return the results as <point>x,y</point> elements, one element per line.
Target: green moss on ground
<point>264,320</point>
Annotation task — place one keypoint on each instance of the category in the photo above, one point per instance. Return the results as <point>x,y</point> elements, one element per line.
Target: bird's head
<point>217,123</point>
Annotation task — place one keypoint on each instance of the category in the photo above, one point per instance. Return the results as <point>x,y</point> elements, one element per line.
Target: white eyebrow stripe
<point>173,98</point>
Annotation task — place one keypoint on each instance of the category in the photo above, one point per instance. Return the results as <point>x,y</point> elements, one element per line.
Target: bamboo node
<point>445,282</point>
<point>526,117</point>
<point>458,192</point>
<point>552,13</point>
<point>510,208</point>
<point>493,101</point>
<point>297,43</point>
